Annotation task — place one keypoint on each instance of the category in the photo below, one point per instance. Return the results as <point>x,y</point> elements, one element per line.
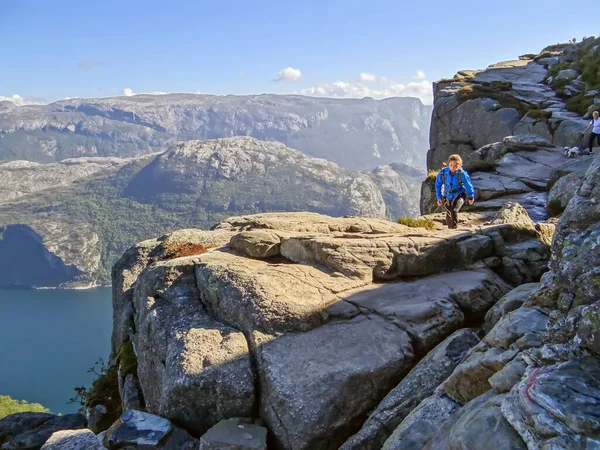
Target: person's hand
<point>470,201</point>
<point>440,203</point>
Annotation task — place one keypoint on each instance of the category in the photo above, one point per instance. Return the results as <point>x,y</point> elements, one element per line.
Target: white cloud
<point>419,87</point>
<point>366,77</point>
<point>20,101</point>
<point>127,92</point>
<point>289,74</point>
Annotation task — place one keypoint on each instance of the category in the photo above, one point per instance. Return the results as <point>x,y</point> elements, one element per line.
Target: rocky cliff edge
<point>284,317</point>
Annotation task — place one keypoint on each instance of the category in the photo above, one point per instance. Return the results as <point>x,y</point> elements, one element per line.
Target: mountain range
<point>357,134</point>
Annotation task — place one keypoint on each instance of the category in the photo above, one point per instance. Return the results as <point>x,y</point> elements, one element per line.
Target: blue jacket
<point>451,186</point>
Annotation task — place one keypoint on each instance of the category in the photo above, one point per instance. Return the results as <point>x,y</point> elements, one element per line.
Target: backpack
<point>459,170</point>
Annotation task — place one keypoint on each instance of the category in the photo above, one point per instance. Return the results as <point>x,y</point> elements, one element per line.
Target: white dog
<point>571,152</point>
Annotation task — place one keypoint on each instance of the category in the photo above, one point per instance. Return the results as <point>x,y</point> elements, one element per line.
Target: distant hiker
<point>452,188</point>
<point>595,126</point>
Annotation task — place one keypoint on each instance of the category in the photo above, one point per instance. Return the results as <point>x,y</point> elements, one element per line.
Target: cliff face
<point>510,123</point>
<point>476,108</point>
<point>281,319</point>
<point>105,205</point>
<point>277,317</point>
<point>355,134</point>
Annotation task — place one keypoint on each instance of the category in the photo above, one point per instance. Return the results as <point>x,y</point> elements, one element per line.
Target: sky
<point>55,49</point>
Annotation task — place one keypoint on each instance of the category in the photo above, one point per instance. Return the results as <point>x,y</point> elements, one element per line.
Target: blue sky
<point>53,49</point>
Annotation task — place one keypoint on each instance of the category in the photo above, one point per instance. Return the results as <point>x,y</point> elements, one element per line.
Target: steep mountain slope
<point>97,209</point>
<point>356,134</point>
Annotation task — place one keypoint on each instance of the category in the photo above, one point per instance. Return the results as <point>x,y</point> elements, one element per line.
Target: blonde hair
<point>456,158</point>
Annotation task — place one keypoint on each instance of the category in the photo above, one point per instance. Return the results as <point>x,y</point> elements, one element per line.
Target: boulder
<point>420,426</point>
<point>418,384</point>
<point>570,165</point>
<point>489,155</point>
<point>140,430</point>
<point>73,440</point>
<point>593,107</point>
<point>14,424</point>
<point>32,430</point>
<point>99,419</point>
<point>567,75</point>
<point>470,427</point>
<point>568,132</point>
<point>368,321</point>
<point>431,308</point>
<point>509,375</point>
<point>234,434</point>
<point>512,213</point>
<point>509,302</point>
<point>470,378</point>
<point>533,168</point>
<point>549,61</point>
<point>521,252</point>
<point>562,192</point>
<point>575,246</point>
<point>256,244</point>
<point>490,185</point>
<point>514,325</point>
<point>557,403</point>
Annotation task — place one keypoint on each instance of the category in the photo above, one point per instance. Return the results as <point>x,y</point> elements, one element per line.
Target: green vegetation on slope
<point>9,406</point>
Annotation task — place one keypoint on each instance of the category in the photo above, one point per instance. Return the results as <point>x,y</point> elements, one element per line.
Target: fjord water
<point>48,341</point>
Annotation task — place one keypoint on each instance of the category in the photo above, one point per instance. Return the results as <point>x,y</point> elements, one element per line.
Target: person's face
<point>596,115</point>
<point>453,165</point>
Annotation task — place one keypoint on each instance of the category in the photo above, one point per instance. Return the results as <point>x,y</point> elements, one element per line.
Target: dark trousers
<point>592,137</point>
<point>452,207</point>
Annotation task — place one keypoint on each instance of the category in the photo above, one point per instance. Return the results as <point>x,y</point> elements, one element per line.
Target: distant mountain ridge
<point>357,134</point>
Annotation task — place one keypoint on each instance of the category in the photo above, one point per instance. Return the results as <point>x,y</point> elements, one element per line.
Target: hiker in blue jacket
<point>452,188</point>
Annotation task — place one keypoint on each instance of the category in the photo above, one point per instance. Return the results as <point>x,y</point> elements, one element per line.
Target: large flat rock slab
<point>307,222</point>
<point>431,308</point>
<point>268,296</point>
<point>317,386</point>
